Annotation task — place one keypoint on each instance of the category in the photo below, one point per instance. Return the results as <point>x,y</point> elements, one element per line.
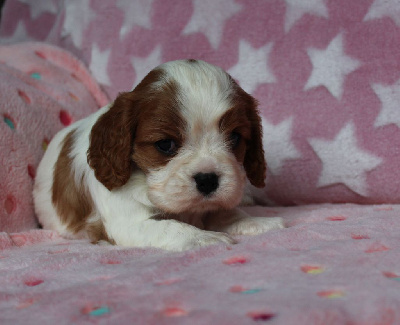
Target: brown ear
<point>111,142</point>
<point>254,161</point>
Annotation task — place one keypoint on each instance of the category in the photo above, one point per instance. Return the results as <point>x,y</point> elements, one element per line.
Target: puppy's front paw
<point>203,238</point>
<point>254,225</point>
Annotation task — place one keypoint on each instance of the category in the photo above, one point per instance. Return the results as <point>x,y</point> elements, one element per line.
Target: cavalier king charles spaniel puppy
<point>164,165</point>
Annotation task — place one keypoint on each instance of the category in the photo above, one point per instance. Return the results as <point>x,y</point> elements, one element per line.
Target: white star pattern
<point>135,13</point>
<point>343,161</point>
<point>390,99</point>
<point>382,8</point>
<point>78,15</point>
<point>252,68</point>
<point>142,66</point>
<point>38,7</point>
<point>278,145</point>
<point>295,9</point>
<point>209,18</point>
<point>330,67</point>
<point>20,34</point>
<point>98,65</point>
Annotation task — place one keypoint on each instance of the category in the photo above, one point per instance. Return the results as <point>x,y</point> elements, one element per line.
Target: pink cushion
<point>326,74</point>
<point>42,89</point>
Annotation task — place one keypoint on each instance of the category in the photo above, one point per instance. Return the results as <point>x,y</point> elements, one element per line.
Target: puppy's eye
<point>166,147</point>
<point>234,139</point>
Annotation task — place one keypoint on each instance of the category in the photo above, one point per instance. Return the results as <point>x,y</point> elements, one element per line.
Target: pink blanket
<point>334,265</point>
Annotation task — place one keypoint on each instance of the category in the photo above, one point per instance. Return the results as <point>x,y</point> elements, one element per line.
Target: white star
<point>343,161</point>
<point>135,13</point>
<point>390,99</point>
<point>252,68</point>
<point>209,18</point>
<point>98,65</point>
<point>278,145</point>
<point>40,6</point>
<point>295,9</point>
<point>143,66</point>
<point>381,8</point>
<point>330,67</point>
<point>78,15</point>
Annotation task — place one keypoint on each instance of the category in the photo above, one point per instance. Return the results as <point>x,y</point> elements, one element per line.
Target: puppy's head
<point>191,129</point>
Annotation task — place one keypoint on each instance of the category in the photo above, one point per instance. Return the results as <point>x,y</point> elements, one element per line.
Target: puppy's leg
<point>237,222</point>
<point>170,234</point>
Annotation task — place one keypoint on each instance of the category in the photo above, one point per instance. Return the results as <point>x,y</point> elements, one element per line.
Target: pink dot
<point>236,260</point>
<point>33,283</point>
<point>337,218</point>
<point>65,118</point>
<point>24,96</point>
<point>31,171</point>
<point>390,275</point>
<point>236,289</point>
<point>377,248</point>
<point>10,204</point>
<point>358,236</point>
<point>257,316</point>
<point>111,262</point>
<point>40,54</point>
<point>174,312</point>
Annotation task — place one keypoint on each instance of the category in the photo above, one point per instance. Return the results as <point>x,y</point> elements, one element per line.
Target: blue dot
<point>100,311</point>
<point>249,292</point>
<point>36,75</point>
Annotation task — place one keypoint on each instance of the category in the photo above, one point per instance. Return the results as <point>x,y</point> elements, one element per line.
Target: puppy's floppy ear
<point>254,160</point>
<point>111,142</point>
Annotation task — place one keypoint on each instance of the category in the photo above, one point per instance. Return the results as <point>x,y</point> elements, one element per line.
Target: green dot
<point>36,75</point>
<point>9,123</point>
<point>100,311</point>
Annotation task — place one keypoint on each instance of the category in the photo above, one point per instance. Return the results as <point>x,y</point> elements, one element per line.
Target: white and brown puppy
<point>164,165</point>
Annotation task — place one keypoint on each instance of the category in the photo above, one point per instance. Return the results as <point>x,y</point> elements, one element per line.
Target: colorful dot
<point>337,218</point>
<point>73,96</point>
<point>236,260</point>
<point>331,294</point>
<point>31,171</point>
<point>99,311</point>
<point>240,289</point>
<point>36,75</point>
<point>65,118</point>
<point>309,269</point>
<point>45,144</point>
<point>10,204</point>
<point>174,312</point>
<point>24,96</point>
<point>358,236</point>
<point>110,262</point>
<point>258,316</point>
<point>40,54</point>
<point>391,275</point>
<point>33,283</point>
<point>377,248</point>
<point>9,122</point>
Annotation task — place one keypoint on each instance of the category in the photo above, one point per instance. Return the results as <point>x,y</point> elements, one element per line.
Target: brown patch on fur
<point>243,118</point>
<point>97,232</point>
<point>71,200</point>
<point>125,135</point>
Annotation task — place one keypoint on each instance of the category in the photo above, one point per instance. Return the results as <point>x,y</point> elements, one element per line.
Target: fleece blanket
<point>334,265</point>
<point>42,89</point>
<point>326,74</point>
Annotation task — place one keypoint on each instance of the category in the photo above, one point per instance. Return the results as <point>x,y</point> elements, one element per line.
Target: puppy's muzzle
<point>206,183</point>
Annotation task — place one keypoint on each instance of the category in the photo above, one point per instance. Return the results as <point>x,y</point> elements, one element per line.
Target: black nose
<point>206,183</point>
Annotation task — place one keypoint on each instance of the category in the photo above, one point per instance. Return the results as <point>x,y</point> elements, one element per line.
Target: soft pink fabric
<point>326,74</point>
<point>334,265</point>
<point>42,89</point>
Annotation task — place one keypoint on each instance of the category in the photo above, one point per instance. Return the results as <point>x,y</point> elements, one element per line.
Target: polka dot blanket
<point>334,265</point>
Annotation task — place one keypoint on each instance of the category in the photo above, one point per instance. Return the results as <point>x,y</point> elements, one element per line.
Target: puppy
<point>164,165</point>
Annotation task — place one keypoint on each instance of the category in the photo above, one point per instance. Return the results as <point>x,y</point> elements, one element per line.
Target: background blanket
<point>334,265</point>
<point>326,73</point>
